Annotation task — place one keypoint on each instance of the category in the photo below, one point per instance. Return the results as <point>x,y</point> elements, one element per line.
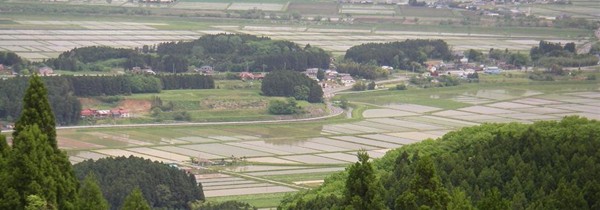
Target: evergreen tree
<point>36,110</point>
<point>36,165</point>
<point>493,200</point>
<point>135,201</point>
<point>30,166</point>
<point>363,189</point>
<point>90,195</point>
<point>425,190</point>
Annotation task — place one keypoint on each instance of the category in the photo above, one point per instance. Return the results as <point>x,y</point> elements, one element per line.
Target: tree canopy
<point>399,54</point>
<point>292,84</point>
<point>548,54</point>
<point>162,186</point>
<point>545,165</point>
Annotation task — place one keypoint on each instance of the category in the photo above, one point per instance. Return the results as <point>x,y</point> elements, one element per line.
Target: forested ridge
<point>546,165</point>
<point>162,186</point>
<point>225,52</point>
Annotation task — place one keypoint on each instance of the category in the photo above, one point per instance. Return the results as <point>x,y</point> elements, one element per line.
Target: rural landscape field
<point>226,133</point>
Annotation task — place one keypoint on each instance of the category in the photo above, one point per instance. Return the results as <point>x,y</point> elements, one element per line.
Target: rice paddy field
<point>272,160</point>
<point>38,38</point>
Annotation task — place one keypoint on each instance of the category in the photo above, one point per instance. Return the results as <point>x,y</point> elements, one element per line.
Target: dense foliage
<point>292,84</point>
<point>548,54</point>
<point>366,71</point>
<point>225,52</point>
<point>240,52</point>
<point>11,59</point>
<point>284,107</point>
<point>162,186</point>
<point>34,172</point>
<point>546,165</point>
<point>400,54</point>
<point>86,58</point>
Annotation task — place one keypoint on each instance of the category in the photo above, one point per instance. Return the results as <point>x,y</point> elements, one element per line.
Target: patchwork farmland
<point>39,44</point>
<point>274,159</point>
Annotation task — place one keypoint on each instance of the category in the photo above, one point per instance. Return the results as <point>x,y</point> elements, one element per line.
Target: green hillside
<point>545,165</point>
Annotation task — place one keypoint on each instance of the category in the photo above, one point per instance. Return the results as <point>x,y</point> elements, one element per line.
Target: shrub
<point>359,86</point>
<point>280,107</point>
<point>401,87</point>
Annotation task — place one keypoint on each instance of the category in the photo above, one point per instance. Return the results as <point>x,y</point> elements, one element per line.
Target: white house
<point>347,80</point>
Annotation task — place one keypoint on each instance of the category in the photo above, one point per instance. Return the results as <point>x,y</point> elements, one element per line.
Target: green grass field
<point>259,200</point>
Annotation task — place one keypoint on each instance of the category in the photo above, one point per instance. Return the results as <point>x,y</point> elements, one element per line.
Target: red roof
<point>88,112</point>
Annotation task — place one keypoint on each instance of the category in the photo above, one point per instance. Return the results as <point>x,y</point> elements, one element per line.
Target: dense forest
<point>292,84</point>
<point>404,55</point>
<point>224,52</point>
<point>546,165</point>
<point>162,186</point>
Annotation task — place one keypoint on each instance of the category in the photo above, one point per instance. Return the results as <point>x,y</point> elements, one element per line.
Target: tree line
<point>61,96</point>
<point>224,52</point>
<point>64,90</point>
<point>546,165</point>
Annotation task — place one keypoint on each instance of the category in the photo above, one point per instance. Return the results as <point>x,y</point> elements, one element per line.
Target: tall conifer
<point>36,154</point>
<point>363,189</point>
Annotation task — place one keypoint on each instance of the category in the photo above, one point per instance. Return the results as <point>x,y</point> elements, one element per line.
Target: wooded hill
<point>546,165</point>
<point>404,55</point>
<point>224,52</point>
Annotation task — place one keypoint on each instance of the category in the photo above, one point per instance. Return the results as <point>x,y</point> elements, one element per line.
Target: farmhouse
<point>492,70</point>
<point>45,71</point>
<point>139,70</point>
<point>119,113</point>
<point>347,80</point>
<point>205,70</point>
<point>115,113</point>
<point>251,76</point>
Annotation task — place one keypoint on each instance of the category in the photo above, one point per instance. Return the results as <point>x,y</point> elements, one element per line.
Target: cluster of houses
<point>114,113</point>
<point>462,68</point>
<point>331,75</point>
